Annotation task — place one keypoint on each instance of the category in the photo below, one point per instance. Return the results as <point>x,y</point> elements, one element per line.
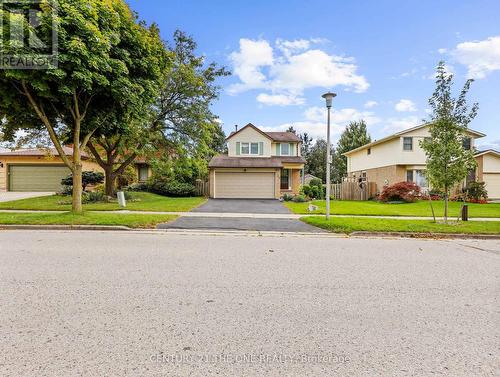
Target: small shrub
<point>172,188</point>
<point>476,191</point>
<point>402,191</point>
<point>94,197</point>
<point>138,187</point>
<point>314,192</point>
<point>89,178</point>
<point>299,199</point>
<point>287,197</point>
<point>66,190</point>
<point>316,182</point>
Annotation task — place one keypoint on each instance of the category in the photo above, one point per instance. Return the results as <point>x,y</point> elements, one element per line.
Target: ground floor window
<point>417,176</point>
<point>285,179</point>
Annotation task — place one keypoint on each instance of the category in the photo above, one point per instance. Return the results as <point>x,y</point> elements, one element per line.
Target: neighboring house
<point>41,170</point>
<point>396,158</point>
<point>259,165</point>
<point>488,171</point>
<point>308,178</point>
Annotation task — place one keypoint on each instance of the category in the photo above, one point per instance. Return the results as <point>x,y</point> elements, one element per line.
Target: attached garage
<point>492,181</point>
<point>36,177</point>
<point>248,185</point>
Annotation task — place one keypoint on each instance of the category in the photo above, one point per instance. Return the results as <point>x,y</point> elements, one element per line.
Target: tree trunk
<point>77,188</point>
<point>109,180</point>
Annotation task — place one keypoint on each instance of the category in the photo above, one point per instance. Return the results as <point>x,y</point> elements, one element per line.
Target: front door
<point>285,179</point>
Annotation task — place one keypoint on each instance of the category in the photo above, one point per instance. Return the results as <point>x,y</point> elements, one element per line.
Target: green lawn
<point>420,208</point>
<point>88,218</point>
<point>353,224</point>
<point>145,202</point>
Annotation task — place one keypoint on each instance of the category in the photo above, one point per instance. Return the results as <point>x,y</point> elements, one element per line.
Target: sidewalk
<point>290,216</point>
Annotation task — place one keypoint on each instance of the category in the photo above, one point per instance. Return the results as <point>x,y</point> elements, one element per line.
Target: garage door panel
<point>36,178</point>
<point>244,185</point>
<point>492,181</point>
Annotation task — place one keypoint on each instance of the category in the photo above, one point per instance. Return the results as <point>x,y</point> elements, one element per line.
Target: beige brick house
<point>399,157</point>
<point>258,165</point>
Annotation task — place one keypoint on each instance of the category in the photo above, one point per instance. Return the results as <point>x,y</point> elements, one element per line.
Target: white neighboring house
<point>399,157</point>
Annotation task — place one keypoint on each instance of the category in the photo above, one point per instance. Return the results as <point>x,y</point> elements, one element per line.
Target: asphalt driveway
<point>243,206</point>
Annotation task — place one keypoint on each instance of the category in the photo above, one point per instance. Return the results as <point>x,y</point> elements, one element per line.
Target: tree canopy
<point>107,60</point>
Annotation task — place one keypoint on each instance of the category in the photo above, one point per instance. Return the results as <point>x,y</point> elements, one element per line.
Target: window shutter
<point>238,148</point>
<point>261,148</point>
<point>292,149</point>
<point>278,149</point>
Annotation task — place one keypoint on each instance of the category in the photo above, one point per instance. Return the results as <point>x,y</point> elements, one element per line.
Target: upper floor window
<point>467,143</point>
<point>407,143</point>
<point>250,148</point>
<point>369,151</point>
<point>285,149</point>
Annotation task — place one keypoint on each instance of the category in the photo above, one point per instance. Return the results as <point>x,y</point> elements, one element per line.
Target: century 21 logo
<point>28,34</point>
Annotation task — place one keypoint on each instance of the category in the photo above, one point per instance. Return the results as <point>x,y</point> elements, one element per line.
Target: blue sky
<point>378,56</point>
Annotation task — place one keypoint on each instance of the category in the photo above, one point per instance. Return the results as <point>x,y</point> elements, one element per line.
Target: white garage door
<point>492,181</point>
<point>244,185</point>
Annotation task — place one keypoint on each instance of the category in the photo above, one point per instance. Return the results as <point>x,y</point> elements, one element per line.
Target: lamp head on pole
<point>329,98</point>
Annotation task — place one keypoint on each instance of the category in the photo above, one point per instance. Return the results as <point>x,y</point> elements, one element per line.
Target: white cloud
<point>480,57</point>
<point>279,99</point>
<point>443,50</point>
<point>314,122</point>
<point>489,144</point>
<point>371,104</point>
<point>292,67</point>
<point>393,125</point>
<point>248,62</point>
<point>405,105</point>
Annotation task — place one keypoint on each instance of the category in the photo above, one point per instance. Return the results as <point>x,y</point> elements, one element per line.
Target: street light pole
<point>329,101</point>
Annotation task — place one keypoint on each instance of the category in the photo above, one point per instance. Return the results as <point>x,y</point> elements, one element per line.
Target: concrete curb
<point>66,227</point>
<point>461,236</point>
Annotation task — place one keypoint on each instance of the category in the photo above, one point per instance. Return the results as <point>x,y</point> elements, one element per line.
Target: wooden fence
<point>353,190</point>
<point>202,188</point>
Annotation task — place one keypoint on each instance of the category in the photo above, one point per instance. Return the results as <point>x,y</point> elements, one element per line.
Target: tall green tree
<point>180,119</point>
<point>448,162</point>
<point>104,61</point>
<point>355,135</point>
<point>316,159</point>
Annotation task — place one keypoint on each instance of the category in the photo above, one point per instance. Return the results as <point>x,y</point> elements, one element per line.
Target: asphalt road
<point>144,304</point>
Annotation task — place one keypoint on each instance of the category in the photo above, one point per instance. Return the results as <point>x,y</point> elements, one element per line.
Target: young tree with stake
<point>448,162</point>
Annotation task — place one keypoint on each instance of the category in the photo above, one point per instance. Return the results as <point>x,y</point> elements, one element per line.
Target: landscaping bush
<point>172,188</point>
<point>89,178</point>
<point>314,192</point>
<point>287,197</point>
<point>138,187</point>
<point>402,191</point>
<point>299,199</point>
<point>476,191</point>
<point>316,182</point>
<point>94,197</point>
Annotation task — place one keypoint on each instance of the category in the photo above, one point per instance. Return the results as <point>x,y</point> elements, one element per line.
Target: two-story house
<point>399,157</point>
<point>259,165</point>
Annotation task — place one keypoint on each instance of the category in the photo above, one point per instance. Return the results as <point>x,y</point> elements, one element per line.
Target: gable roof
<point>488,151</point>
<point>398,134</point>
<point>273,136</point>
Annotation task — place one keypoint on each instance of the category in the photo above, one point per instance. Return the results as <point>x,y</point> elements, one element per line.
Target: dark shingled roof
<point>224,161</point>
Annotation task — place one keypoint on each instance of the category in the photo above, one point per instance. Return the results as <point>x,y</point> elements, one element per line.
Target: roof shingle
<point>224,161</point>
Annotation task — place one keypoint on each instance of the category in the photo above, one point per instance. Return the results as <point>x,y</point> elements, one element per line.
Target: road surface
<point>158,304</point>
